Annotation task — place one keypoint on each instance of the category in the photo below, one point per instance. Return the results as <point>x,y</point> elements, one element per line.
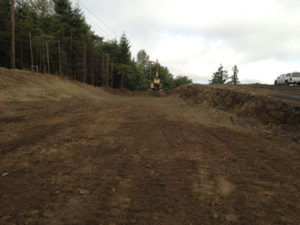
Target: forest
<point>52,36</point>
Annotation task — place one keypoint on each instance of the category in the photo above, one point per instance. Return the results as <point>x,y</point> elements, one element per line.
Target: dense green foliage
<point>52,36</point>
<point>234,78</point>
<point>220,76</point>
<point>182,80</point>
<point>4,33</point>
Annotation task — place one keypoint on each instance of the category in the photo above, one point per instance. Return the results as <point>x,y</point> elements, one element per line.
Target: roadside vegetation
<point>221,76</point>
<point>52,36</point>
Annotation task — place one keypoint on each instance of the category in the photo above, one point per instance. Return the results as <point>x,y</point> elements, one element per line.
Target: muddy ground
<point>74,154</point>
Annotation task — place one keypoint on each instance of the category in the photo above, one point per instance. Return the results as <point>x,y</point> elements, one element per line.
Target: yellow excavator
<point>155,84</point>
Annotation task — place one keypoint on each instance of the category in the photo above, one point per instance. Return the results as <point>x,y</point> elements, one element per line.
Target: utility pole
<point>59,58</point>
<point>92,72</point>
<point>47,54</point>
<point>31,54</point>
<point>150,75</point>
<point>102,70</point>
<point>12,18</point>
<point>84,62</point>
<point>107,69</point>
<point>112,73</point>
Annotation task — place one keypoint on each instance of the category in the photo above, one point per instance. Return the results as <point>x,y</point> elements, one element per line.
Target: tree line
<point>221,76</point>
<point>52,36</point>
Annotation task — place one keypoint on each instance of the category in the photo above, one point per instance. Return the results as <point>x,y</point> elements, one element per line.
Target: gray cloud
<point>250,32</point>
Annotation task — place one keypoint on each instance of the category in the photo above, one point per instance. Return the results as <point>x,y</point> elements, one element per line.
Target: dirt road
<point>113,159</point>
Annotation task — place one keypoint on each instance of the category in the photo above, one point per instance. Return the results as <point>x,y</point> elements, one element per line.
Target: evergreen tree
<point>143,62</point>
<point>220,76</point>
<point>55,35</point>
<point>143,59</point>
<point>135,79</point>
<point>5,33</point>
<point>125,54</point>
<point>112,48</point>
<point>62,7</point>
<point>43,7</point>
<point>165,77</point>
<point>181,80</point>
<point>234,78</point>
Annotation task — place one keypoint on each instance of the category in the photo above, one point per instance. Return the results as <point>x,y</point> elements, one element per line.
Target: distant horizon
<point>261,38</point>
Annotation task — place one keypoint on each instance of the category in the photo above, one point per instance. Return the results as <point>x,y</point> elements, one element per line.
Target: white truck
<point>289,78</point>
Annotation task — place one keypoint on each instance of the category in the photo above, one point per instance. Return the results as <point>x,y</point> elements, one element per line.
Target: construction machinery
<point>155,84</point>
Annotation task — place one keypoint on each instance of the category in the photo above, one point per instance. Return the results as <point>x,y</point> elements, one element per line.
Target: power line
<point>100,29</point>
<point>107,27</point>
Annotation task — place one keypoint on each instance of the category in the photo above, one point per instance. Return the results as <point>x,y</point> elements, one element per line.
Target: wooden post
<point>48,61</point>
<point>112,73</point>
<point>59,58</point>
<point>71,46</point>
<point>12,57</point>
<point>21,55</point>
<point>63,70</point>
<point>150,75</point>
<point>92,72</point>
<point>84,62</point>
<point>40,59</point>
<point>31,54</point>
<point>107,70</point>
<point>102,70</point>
<point>44,56</point>
<point>122,81</point>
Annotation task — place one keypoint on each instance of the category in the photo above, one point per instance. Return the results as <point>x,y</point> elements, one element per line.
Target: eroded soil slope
<point>74,154</point>
<point>269,104</point>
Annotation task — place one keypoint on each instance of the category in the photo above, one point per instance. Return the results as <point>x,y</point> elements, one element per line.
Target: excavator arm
<point>156,85</point>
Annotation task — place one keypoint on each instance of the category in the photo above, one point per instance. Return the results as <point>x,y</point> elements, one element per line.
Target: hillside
<point>71,153</point>
<point>25,86</point>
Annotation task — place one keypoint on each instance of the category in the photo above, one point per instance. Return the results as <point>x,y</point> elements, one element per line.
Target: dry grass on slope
<point>25,86</point>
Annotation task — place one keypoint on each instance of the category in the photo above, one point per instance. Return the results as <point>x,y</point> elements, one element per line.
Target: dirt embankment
<point>74,154</point>
<point>25,86</point>
<point>242,102</point>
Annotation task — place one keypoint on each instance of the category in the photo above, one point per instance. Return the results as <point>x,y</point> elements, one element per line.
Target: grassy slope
<point>24,86</point>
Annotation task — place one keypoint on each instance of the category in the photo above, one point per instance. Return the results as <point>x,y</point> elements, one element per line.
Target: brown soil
<point>75,154</point>
<point>269,104</point>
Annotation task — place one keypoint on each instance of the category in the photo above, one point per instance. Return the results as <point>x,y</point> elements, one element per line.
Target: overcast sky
<point>193,37</point>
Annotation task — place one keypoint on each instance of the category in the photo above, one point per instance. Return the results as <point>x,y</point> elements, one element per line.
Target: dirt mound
<point>25,86</point>
<point>262,107</point>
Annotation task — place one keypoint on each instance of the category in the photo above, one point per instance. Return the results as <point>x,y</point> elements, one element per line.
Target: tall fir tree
<point>234,78</point>
<point>125,54</point>
<point>143,62</point>
<point>220,76</point>
<point>5,33</point>
<point>52,36</point>
<point>142,59</point>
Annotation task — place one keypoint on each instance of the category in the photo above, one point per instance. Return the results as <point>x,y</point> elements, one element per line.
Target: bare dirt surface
<point>75,154</point>
<point>270,105</point>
